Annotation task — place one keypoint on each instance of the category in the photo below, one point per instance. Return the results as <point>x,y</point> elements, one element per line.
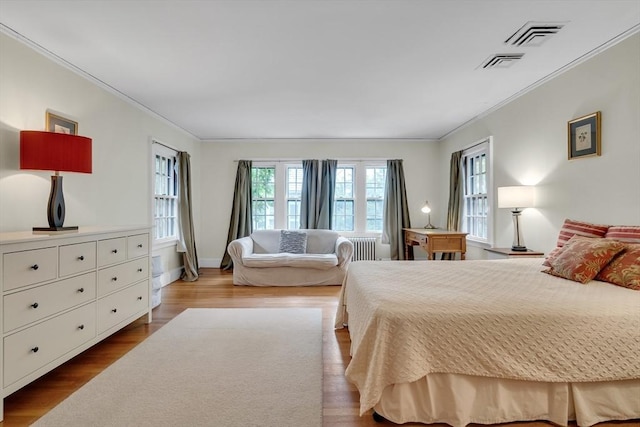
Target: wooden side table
<point>502,253</point>
<point>434,240</point>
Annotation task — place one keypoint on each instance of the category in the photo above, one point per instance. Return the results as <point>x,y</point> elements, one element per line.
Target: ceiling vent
<point>533,34</point>
<point>501,60</point>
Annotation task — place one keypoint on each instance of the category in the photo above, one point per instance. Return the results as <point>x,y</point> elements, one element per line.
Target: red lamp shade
<point>55,151</point>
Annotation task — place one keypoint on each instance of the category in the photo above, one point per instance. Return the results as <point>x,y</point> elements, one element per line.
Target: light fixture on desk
<point>56,152</point>
<point>517,198</point>
<point>427,209</point>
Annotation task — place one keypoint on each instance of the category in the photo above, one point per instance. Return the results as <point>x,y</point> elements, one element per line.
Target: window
<point>165,194</point>
<point>358,199</point>
<point>375,182</point>
<point>294,192</point>
<point>476,208</point>
<point>343,208</point>
<point>263,189</point>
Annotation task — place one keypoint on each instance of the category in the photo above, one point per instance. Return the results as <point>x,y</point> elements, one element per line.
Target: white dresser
<point>63,293</point>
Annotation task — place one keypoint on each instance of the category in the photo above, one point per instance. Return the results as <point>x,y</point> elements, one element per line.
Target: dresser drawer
<point>119,276</point>
<point>117,307</point>
<point>29,267</point>
<point>111,251</point>
<point>34,304</point>
<point>28,350</point>
<point>137,245</point>
<point>77,258</point>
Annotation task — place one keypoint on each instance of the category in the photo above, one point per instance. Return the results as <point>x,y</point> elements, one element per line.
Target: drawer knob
<point>140,245</point>
<point>35,267</point>
<point>34,305</point>
<point>35,349</point>
<point>115,251</point>
<point>81,258</point>
<point>139,270</point>
<point>139,298</point>
<point>81,290</point>
<point>114,310</point>
<point>114,279</point>
<point>81,327</point>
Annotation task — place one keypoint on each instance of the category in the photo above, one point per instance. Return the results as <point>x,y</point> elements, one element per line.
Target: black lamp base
<point>50,230</point>
<point>55,210</point>
<point>519,248</point>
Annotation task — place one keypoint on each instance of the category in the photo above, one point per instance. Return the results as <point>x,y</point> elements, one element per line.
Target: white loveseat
<point>258,261</point>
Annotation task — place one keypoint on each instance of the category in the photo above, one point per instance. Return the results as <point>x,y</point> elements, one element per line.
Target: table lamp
<point>427,209</point>
<point>55,152</point>
<point>517,198</point>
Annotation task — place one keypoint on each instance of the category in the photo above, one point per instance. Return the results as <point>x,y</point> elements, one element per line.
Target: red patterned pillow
<point>624,269</point>
<point>582,258</point>
<point>624,233</point>
<point>553,254</point>
<point>571,228</point>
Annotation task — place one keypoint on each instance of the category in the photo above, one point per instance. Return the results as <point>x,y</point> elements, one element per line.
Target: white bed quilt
<point>499,319</point>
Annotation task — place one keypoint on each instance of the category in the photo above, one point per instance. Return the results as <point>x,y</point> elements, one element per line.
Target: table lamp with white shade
<point>516,197</point>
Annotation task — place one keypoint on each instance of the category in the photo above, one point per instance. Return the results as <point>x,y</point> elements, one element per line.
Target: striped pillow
<point>586,229</point>
<point>624,233</point>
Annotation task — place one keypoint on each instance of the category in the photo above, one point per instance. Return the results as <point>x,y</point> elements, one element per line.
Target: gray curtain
<point>309,198</point>
<point>240,224</point>
<point>396,211</point>
<point>455,188</point>
<point>186,236</point>
<point>455,195</point>
<point>327,192</point>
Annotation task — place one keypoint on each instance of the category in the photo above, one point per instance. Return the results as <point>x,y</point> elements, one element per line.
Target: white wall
<point>530,147</point>
<point>118,192</point>
<point>420,164</point>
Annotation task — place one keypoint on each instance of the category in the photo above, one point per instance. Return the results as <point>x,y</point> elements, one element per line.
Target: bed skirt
<point>459,400</point>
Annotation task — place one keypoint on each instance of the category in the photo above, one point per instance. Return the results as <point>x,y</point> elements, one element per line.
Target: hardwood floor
<point>213,289</point>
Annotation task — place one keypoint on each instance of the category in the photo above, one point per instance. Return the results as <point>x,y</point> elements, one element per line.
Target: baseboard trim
<point>210,262</point>
<point>170,276</point>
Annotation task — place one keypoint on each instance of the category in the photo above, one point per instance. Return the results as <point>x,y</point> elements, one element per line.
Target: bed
<point>489,342</point>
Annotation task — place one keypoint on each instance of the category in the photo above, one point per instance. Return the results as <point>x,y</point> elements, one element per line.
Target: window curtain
<point>309,197</point>
<point>240,224</point>
<point>327,193</point>
<point>455,195</point>
<point>396,210</point>
<point>186,236</point>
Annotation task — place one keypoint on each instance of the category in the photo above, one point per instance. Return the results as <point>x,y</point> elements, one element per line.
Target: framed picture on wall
<point>59,124</point>
<point>584,136</point>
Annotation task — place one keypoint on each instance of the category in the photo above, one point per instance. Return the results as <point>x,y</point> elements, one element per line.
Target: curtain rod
<point>370,159</point>
<point>153,141</point>
<point>475,144</point>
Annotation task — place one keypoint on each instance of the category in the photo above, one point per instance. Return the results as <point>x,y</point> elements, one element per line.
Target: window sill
<point>162,244</point>
<point>478,244</point>
<point>348,234</point>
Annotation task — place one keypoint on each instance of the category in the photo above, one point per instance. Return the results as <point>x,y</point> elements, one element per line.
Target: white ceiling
<point>314,68</point>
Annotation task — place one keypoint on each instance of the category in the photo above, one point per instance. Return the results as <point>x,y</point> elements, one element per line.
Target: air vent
<point>534,34</point>
<point>502,60</point>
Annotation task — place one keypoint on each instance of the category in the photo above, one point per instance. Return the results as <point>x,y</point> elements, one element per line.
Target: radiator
<point>364,248</point>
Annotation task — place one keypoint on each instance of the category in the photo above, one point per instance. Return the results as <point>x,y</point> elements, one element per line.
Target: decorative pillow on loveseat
<point>582,258</point>
<point>624,269</point>
<point>293,242</point>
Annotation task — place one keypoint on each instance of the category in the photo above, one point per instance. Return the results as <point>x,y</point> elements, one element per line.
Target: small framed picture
<point>584,136</point>
<point>59,124</point>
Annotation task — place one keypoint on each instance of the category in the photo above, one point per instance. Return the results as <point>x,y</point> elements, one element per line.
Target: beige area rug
<point>210,367</point>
